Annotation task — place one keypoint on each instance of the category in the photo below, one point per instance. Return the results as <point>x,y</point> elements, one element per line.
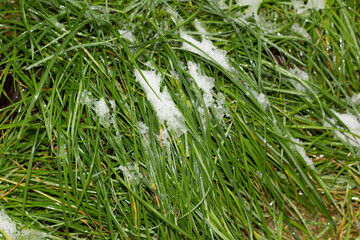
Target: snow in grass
<point>220,107</point>
<point>221,4</point>
<point>301,31</point>
<point>161,101</point>
<point>11,231</point>
<point>253,6</point>
<point>205,48</point>
<point>203,82</point>
<point>127,34</point>
<point>300,74</point>
<point>301,151</point>
<point>100,108</point>
<point>300,7</point>
<point>356,99</point>
<point>144,132</point>
<point>352,123</point>
<point>131,173</point>
<point>261,98</point>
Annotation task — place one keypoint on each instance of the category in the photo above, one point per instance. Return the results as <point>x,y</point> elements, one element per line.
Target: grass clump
<point>180,120</point>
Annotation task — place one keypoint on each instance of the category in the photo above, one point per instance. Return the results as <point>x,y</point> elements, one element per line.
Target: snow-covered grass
<point>212,119</point>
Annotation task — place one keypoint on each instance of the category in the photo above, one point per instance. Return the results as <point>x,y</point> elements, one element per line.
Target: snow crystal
<point>161,101</point>
<point>253,6</point>
<point>204,82</point>
<point>127,35</point>
<point>164,138</point>
<point>302,153</point>
<point>300,30</point>
<point>352,123</point>
<point>11,231</point>
<point>205,48</point>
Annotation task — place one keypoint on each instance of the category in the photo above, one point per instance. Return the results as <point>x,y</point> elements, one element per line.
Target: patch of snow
<point>11,231</point>
<point>300,30</point>
<point>300,7</point>
<point>100,108</point>
<point>204,82</point>
<point>205,48</point>
<point>301,151</point>
<point>221,4</point>
<point>164,138</point>
<point>161,101</point>
<point>253,6</point>
<point>127,35</point>
<point>261,98</point>
<point>131,173</point>
<point>300,74</point>
<point>220,107</point>
<point>352,123</point>
<point>356,99</point>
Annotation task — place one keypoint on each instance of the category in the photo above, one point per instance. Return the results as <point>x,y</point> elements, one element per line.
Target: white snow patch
<point>221,4</point>
<point>11,231</point>
<point>300,7</point>
<point>356,99</point>
<point>100,108</point>
<point>220,107</point>
<point>161,101</point>
<point>301,151</point>
<point>131,173</point>
<point>253,6</point>
<point>300,30</point>
<point>300,74</point>
<point>261,98</point>
<point>204,82</point>
<point>205,48</point>
<point>352,123</point>
<point>127,35</point>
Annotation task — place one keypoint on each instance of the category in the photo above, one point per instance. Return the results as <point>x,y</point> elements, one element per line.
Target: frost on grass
<point>220,3</point>
<point>301,151</point>
<point>253,6</point>
<point>11,231</point>
<point>161,101</point>
<point>300,7</point>
<point>100,108</point>
<point>301,31</point>
<point>300,74</point>
<point>205,48</point>
<point>131,173</point>
<point>352,123</point>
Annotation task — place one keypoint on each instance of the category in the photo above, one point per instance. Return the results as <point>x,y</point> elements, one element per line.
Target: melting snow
<point>300,7</point>
<point>10,230</point>
<point>100,108</point>
<point>353,124</point>
<point>300,74</point>
<point>127,35</point>
<point>302,152</point>
<point>300,30</point>
<point>253,6</point>
<point>161,101</point>
<point>205,48</point>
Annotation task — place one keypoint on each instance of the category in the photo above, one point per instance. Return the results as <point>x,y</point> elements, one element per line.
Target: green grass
<point>238,177</point>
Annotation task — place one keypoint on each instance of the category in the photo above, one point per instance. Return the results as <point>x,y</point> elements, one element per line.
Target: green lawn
<point>165,119</point>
